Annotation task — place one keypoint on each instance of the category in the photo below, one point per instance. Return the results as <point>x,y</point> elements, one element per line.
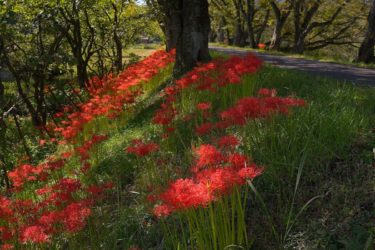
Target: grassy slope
<point>328,144</point>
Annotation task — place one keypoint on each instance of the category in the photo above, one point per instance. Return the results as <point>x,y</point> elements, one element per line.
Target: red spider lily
<point>238,161</point>
<point>110,94</point>
<point>204,106</point>
<point>35,234</point>
<point>204,128</point>
<point>83,151</point>
<point>5,234</point>
<point>228,141</point>
<point>164,116</point>
<point>142,149</point>
<point>65,205</point>
<point>208,155</point>
<point>210,76</point>
<point>5,211</point>
<point>75,216</point>
<point>205,186</point>
<point>185,193</point>
<point>7,247</point>
<point>267,92</point>
<point>253,107</point>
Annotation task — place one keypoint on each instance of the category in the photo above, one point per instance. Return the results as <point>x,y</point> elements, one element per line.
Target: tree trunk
<point>276,36</point>
<point>221,31</point>
<point>263,27</point>
<point>81,73</point>
<point>117,40</point>
<point>193,30</point>
<point>32,111</point>
<point>299,45</point>
<point>39,98</point>
<point>172,22</point>
<point>2,98</point>
<point>239,38</point>
<point>281,18</point>
<point>172,30</point>
<point>3,126</point>
<point>250,4</point>
<point>118,60</point>
<point>22,137</point>
<point>366,51</point>
<point>5,173</point>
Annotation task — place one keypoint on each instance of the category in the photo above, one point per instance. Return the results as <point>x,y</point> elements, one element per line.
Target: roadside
<point>319,58</point>
<point>350,74</point>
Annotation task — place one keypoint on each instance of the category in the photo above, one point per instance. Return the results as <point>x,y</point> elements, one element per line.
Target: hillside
<point>233,154</point>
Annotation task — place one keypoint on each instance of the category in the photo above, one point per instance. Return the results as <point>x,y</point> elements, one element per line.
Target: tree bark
<point>81,73</point>
<point>304,24</point>
<point>22,137</point>
<point>262,27</point>
<point>221,31</point>
<point>117,39</point>
<point>171,22</point>
<point>250,13</point>
<point>193,26</point>
<point>6,180</point>
<point>240,37</point>
<point>82,49</point>
<point>2,92</point>
<point>366,51</point>
<point>281,19</point>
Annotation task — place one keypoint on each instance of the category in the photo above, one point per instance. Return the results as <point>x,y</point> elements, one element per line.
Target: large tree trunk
<point>172,29</point>
<point>193,27</point>
<point>171,22</point>
<point>366,51</point>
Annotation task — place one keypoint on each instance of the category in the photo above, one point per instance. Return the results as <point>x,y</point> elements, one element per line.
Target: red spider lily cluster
<point>220,73</point>
<point>216,173</point>
<point>211,76</point>
<point>257,107</point>
<point>141,149</point>
<point>109,95</point>
<point>219,167</point>
<point>62,205</point>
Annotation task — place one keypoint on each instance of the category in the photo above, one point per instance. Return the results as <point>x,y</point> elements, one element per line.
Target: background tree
<point>281,13</point>
<point>188,24</point>
<point>305,23</point>
<point>73,19</point>
<point>366,51</point>
<point>30,52</point>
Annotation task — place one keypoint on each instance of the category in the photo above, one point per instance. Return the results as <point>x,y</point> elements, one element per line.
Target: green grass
<point>322,151</point>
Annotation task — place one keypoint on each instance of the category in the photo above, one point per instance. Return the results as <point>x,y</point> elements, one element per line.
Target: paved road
<point>354,75</point>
